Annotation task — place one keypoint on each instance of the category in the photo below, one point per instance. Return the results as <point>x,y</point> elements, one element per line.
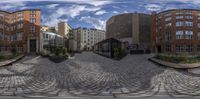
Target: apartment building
<point>64,29</point>
<point>85,38</point>
<point>20,30</point>
<point>176,31</point>
<point>134,29</point>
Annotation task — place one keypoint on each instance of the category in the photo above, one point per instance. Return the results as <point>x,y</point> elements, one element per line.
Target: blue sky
<point>92,13</point>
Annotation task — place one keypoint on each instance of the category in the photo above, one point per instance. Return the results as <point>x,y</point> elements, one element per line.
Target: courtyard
<point>88,74</point>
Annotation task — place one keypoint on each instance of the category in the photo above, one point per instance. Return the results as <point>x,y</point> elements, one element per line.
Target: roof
<point>177,9</point>
<point>20,10</point>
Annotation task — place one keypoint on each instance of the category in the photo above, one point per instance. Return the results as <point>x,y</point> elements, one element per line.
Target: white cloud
<point>115,12</point>
<point>7,6</point>
<point>101,12</point>
<point>96,23</point>
<point>72,12</point>
<point>75,10</point>
<point>152,7</point>
<point>52,5</point>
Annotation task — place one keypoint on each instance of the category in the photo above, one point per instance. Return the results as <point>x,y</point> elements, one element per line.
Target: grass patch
<point>7,57</point>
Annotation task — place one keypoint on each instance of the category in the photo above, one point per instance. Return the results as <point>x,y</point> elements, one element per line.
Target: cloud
<point>96,23</point>
<point>8,6</point>
<point>91,2</point>
<point>152,7</point>
<point>75,10</point>
<point>71,12</point>
<point>52,6</point>
<point>115,12</point>
<point>101,12</point>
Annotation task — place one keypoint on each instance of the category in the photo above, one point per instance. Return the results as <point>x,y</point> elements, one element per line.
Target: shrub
<point>14,51</point>
<point>116,52</point>
<point>178,58</point>
<point>44,53</point>
<point>1,56</point>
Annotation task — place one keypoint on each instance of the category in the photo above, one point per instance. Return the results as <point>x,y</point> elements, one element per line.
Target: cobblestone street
<point>89,74</point>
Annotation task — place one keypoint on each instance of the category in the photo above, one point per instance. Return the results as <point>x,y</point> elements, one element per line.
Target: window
<point>184,48</point>
<point>179,23</point>
<point>168,14</point>
<point>33,12</point>
<point>188,48</point>
<point>187,23</point>
<point>179,35</point>
<point>198,35</point>
<point>188,12</point>
<point>198,47</point>
<point>180,48</point>
<point>188,17</point>
<point>168,19</point>
<point>1,36</point>
<point>198,25</point>
<point>188,34</point>
<point>19,36</point>
<point>168,24</point>
<point>179,12</point>
<point>167,36</point>
<point>33,20</point>
<point>168,48</point>
<point>179,17</point>
<point>19,26</point>
<point>32,29</point>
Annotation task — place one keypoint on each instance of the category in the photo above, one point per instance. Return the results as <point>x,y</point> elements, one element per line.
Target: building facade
<point>20,30</point>
<point>49,40</point>
<point>131,28</point>
<point>48,29</point>
<point>176,31</point>
<point>64,29</point>
<point>85,38</point>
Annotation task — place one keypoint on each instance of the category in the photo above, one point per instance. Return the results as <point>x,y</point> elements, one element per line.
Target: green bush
<point>1,56</point>
<point>119,53</point>
<point>178,58</point>
<point>14,51</point>
<point>44,53</point>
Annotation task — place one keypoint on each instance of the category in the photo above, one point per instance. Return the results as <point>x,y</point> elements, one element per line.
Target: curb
<point>172,65</point>
<point>13,61</point>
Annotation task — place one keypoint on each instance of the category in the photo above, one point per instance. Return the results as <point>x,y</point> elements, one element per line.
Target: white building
<point>49,39</point>
<point>85,38</point>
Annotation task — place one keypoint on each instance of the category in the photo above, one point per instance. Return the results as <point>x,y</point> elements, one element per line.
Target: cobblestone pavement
<point>89,74</point>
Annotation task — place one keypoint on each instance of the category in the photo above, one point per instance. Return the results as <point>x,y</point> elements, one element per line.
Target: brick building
<point>131,28</point>
<point>176,31</point>
<point>20,30</point>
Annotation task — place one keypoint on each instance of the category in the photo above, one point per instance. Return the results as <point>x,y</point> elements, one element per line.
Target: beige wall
<point>63,29</point>
<point>135,29</point>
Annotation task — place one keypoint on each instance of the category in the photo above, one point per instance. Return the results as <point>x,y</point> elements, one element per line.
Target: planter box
<point>57,59</point>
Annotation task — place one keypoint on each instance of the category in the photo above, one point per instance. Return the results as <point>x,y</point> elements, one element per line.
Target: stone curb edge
<point>172,65</point>
<point>13,61</point>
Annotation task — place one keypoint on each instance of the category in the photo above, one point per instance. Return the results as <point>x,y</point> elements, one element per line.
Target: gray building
<point>131,28</point>
<point>85,38</point>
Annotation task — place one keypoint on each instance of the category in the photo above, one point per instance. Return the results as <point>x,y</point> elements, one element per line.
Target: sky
<point>92,13</point>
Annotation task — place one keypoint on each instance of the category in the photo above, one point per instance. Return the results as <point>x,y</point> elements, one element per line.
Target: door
<point>32,46</point>
<point>159,49</point>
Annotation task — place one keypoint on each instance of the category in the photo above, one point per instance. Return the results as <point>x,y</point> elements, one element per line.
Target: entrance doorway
<point>159,49</point>
<point>32,46</point>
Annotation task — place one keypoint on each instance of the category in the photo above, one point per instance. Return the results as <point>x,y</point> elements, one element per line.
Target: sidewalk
<point>8,62</point>
<point>175,65</point>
